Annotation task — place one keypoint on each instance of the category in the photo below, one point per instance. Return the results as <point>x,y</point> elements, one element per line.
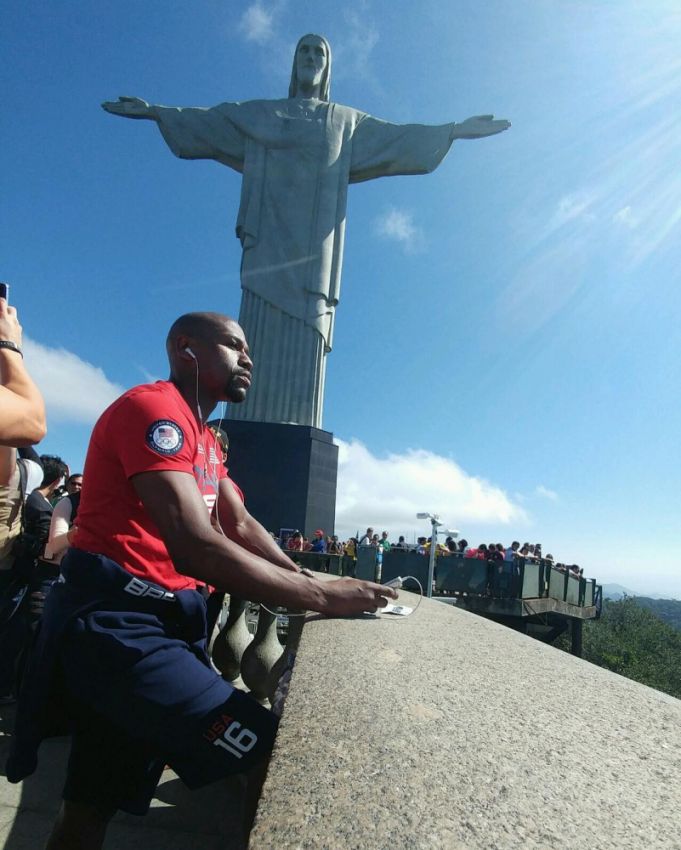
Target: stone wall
<point>446,730</point>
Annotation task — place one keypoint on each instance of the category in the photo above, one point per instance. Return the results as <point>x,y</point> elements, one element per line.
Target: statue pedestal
<point>288,474</point>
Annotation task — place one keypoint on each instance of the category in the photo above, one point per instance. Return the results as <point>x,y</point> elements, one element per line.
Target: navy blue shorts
<point>143,696</point>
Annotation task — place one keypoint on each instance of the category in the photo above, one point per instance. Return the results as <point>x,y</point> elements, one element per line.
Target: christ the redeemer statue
<point>297,156</point>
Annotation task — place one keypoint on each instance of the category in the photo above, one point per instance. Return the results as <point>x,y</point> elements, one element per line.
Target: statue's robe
<point>297,157</point>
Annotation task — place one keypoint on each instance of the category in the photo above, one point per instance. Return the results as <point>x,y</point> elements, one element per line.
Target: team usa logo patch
<point>165,437</point>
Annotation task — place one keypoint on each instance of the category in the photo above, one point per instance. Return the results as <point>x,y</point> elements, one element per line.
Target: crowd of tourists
<point>322,543</point>
<point>36,528</point>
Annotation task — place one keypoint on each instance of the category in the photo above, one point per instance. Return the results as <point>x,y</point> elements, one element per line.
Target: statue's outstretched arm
<point>478,127</point>
<point>130,107</point>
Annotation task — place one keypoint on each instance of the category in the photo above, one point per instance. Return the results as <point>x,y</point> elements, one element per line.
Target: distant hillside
<point>617,591</point>
<point>668,610</point>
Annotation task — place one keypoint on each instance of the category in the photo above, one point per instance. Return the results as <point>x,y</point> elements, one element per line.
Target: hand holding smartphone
<point>10,329</point>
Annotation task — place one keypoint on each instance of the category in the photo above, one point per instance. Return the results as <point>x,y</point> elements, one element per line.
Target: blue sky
<point>508,338</point>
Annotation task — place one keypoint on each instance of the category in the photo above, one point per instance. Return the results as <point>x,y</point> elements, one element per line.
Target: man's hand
<point>128,107</point>
<point>478,127</point>
<point>348,596</point>
<point>10,329</point>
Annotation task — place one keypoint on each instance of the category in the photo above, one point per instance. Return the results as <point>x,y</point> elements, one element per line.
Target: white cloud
<point>353,49</point>
<point>574,207</point>
<point>398,225</point>
<point>74,390</point>
<point>625,218</point>
<point>257,23</point>
<point>388,492</point>
<point>546,493</point>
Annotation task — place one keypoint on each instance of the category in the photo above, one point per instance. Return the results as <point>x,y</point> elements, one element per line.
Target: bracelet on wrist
<point>12,346</point>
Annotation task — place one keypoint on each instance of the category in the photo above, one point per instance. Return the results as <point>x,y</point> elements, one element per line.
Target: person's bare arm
<point>245,530</point>
<point>8,461</point>
<point>58,538</point>
<point>174,504</point>
<point>22,410</point>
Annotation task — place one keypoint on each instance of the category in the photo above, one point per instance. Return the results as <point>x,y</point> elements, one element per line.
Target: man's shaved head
<point>206,326</point>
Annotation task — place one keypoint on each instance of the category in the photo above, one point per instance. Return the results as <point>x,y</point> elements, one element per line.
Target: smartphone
<point>4,291</point>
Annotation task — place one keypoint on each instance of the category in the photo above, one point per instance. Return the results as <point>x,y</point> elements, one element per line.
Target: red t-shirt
<point>149,428</point>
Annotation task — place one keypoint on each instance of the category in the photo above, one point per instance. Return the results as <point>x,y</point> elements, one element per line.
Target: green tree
<point>630,640</point>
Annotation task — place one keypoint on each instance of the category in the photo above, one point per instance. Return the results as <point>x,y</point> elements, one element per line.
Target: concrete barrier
<point>446,730</point>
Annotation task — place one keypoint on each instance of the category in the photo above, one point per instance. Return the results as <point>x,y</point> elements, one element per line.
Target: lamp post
<point>435,524</point>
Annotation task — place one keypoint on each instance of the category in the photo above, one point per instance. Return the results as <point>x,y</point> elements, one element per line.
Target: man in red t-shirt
<point>126,625</point>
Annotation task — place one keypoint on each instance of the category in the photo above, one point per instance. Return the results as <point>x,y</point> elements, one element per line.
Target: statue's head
<point>312,65</point>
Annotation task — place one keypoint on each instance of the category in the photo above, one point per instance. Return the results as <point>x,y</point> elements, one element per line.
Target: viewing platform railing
<point>455,574</point>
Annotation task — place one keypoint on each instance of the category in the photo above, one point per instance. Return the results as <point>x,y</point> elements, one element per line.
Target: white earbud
<point>196,363</point>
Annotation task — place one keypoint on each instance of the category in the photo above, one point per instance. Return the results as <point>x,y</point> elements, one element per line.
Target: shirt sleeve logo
<point>165,437</point>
